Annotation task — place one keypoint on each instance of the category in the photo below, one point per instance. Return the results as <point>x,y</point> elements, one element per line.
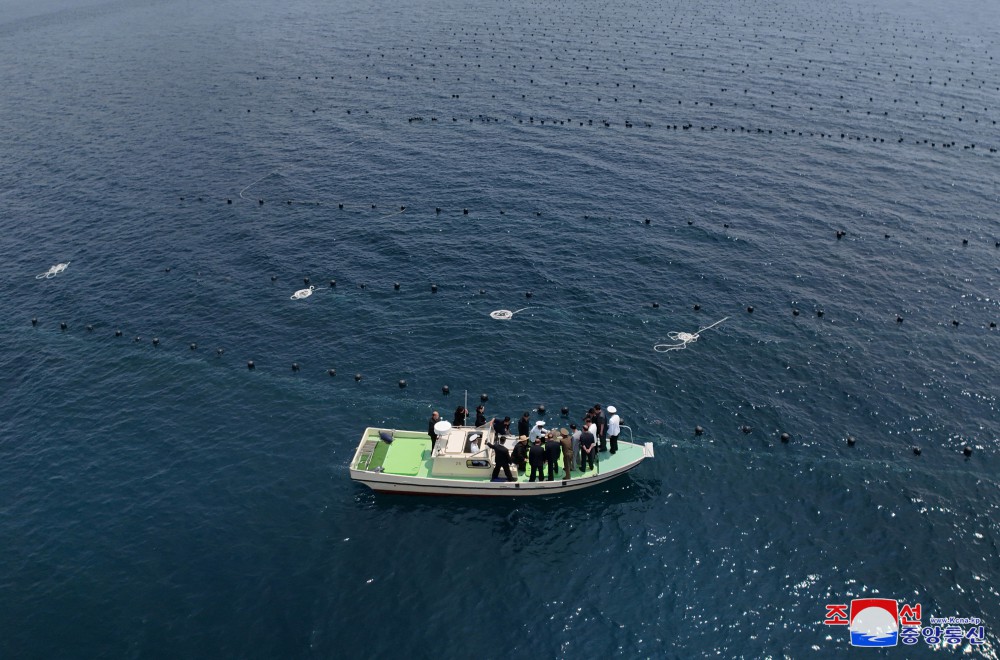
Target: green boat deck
<point>410,455</point>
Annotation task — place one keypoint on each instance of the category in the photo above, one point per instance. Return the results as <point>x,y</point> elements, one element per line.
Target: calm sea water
<point>165,501</point>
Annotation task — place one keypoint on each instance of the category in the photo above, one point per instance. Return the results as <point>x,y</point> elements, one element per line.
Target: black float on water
<point>34,321</point>
<point>697,307</point>
<point>90,328</point>
<point>305,280</point>
<point>434,288</point>
<point>156,341</point>
<point>62,325</point>
<point>541,410</point>
<point>396,286</point>
<point>819,313</point>
<point>274,278</point>
<point>527,294</point>
<point>795,312</point>
<point>357,378</point>
<point>850,441</point>
<point>698,430</point>
<point>785,437</point>
<point>295,366</point>
<point>118,333</point>
<point>916,451</point>
<point>746,429</point>
<point>565,411</point>
<point>445,389</point>
<point>333,284</point>
<point>251,366</point>
<point>967,451</point>
<point>484,397</point>
<point>402,384</point>
<point>332,372</point>
<point>194,346</point>
<point>750,309</point>
<point>220,351</point>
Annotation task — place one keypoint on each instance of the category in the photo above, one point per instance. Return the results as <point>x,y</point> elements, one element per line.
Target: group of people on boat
<point>538,447</point>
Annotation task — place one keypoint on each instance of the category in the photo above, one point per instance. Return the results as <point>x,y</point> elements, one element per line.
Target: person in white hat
<point>614,428</point>
<point>537,431</point>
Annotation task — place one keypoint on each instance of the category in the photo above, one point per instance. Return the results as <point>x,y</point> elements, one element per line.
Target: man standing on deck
<point>524,424</point>
<point>553,450</point>
<point>614,428</point>
<point>501,460</point>
<point>588,448</point>
<point>538,431</point>
<point>598,419</point>
<point>435,418</point>
<point>575,436</point>
<point>536,457</point>
<point>567,448</point>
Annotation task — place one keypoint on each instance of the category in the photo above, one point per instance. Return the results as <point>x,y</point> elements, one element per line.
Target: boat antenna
<point>466,405</point>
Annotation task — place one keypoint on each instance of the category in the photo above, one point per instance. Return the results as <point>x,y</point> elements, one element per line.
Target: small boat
<point>461,463</point>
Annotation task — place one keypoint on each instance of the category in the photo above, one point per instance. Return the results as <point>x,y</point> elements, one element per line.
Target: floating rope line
<point>303,293</point>
<point>52,272</point>
<point>279,169</point>
<point>505,314</point>
<point>684,338</point>
<point>256,182</point>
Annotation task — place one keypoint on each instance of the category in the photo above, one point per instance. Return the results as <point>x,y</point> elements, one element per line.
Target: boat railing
<point>629,432</point>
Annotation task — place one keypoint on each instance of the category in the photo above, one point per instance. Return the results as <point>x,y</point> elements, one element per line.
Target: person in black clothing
<point>501,427</point>
<point>587,450</point>
<point>435,418</point>
<point>480,415</point>
<point>502,460</point>
<point>602,426</point>
<point>536,457</point>
<point>553,450</point>
<point>524,424</point>
<point>460,414</point>
<point>520,455</point>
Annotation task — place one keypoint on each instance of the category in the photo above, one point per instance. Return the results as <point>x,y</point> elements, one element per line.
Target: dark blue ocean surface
<point>189,161</point>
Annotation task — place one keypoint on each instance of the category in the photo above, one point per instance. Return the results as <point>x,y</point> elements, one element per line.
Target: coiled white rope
<point>505,314</point>
<point>52,272</point>
<point>684,338</point>
<point>303,293</point>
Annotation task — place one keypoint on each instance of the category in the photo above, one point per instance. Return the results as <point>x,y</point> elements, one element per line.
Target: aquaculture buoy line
<point>296,370</point>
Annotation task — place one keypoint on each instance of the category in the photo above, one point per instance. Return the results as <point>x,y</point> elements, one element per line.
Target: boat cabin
<point>462,452</point>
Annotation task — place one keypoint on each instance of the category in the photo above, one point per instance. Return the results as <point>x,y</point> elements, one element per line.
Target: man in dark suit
<point>524,424</point>
<point>502,460</point>
<point>435,418</point>
<point>553,450</point>
<point>536,458</point>
<point>588,447</point>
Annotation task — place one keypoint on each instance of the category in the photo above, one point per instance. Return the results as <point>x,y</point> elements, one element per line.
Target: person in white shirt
<point>537,431</point>
<point>614,428</point>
